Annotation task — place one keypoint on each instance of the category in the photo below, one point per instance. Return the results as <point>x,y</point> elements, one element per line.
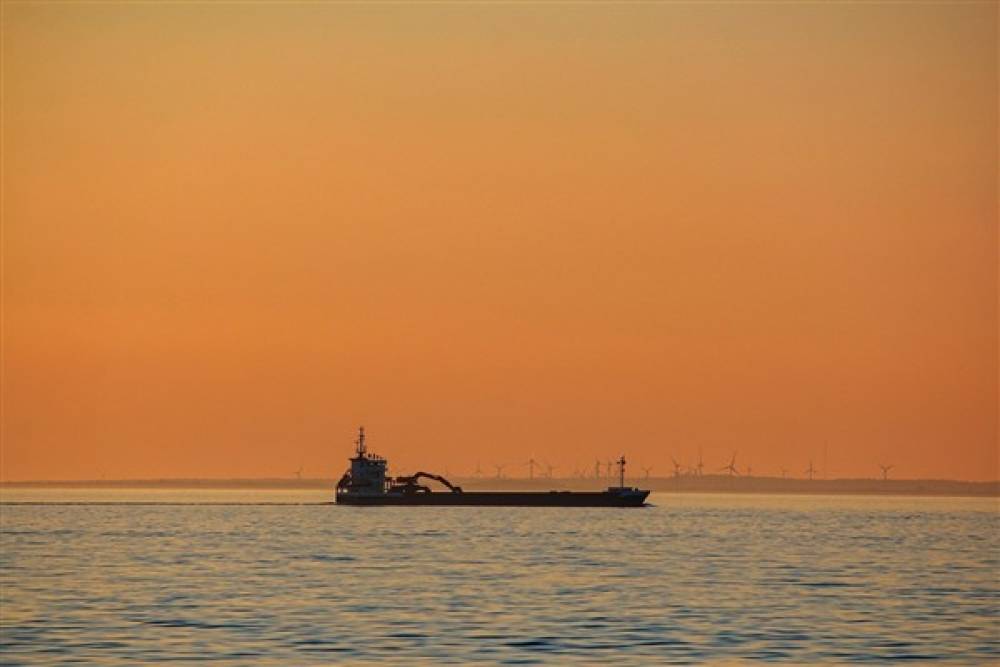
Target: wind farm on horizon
<point>538,473</point>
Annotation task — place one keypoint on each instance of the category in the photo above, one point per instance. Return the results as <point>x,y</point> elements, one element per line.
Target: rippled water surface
<point>694,578</point>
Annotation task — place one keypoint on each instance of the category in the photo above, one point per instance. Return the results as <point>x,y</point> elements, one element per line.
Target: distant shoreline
<point>682,484</point>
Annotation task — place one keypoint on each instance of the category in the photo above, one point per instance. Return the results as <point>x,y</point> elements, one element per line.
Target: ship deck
<point>504,499</point>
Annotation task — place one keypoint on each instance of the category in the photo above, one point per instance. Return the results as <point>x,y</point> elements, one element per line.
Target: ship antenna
<point>621,472</point>
<point>361,441</point>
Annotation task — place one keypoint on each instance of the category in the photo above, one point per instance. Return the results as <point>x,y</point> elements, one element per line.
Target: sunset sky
<point>233,232</point>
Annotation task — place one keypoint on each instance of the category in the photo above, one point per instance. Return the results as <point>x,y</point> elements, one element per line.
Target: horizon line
<point>4,482</point>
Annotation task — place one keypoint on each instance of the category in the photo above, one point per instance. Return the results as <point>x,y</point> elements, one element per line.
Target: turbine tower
<point>810,470</point>
<point>885,471</point>
<point>677,467</point>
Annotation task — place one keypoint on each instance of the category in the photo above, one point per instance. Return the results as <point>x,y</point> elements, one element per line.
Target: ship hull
<point>503,499</point>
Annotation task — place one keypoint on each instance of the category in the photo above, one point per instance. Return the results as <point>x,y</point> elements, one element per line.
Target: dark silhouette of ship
<point>366,483</point>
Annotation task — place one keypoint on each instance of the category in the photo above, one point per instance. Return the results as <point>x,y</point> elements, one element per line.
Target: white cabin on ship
<point>367,475</point>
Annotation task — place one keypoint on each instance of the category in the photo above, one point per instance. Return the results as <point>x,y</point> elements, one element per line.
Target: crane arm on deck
<point>412,479</point>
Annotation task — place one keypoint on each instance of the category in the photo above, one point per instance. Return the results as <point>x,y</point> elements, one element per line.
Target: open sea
<point>184,577</point>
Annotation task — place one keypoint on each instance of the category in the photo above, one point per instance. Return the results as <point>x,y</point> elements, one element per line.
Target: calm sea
<point>694,578</point>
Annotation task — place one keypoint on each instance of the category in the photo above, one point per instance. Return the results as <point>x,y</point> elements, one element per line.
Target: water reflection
<point>695,578</point>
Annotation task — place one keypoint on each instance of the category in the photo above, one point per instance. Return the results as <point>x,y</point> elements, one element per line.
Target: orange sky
<point>233,232</point>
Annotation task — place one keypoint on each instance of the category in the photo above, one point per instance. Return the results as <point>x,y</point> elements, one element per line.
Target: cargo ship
<point>367,482</point>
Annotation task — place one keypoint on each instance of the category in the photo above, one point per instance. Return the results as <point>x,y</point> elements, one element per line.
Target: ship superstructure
<point>366,482</point>
<point>367,475</point>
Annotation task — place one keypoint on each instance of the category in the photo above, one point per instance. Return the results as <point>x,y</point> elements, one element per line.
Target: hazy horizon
<point>518,477</point>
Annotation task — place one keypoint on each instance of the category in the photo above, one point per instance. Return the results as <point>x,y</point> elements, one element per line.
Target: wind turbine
<point>810,470</point>
<point>597,469</point>
<point>749,470</point>
<point>609,463</point>
<point>479,471</point>
<point>499,469</point>
<point>677,467</point>
<point>885,471</point>
<point>647,471</point>
<point>731,467</point>
<point>298,473</point>
<point>531,467</point>
<point>701,463</point>
<point>548,470</point>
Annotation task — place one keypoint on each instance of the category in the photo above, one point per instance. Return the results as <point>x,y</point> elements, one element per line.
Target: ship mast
<point>621,472</point>
<point>361,441</point>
